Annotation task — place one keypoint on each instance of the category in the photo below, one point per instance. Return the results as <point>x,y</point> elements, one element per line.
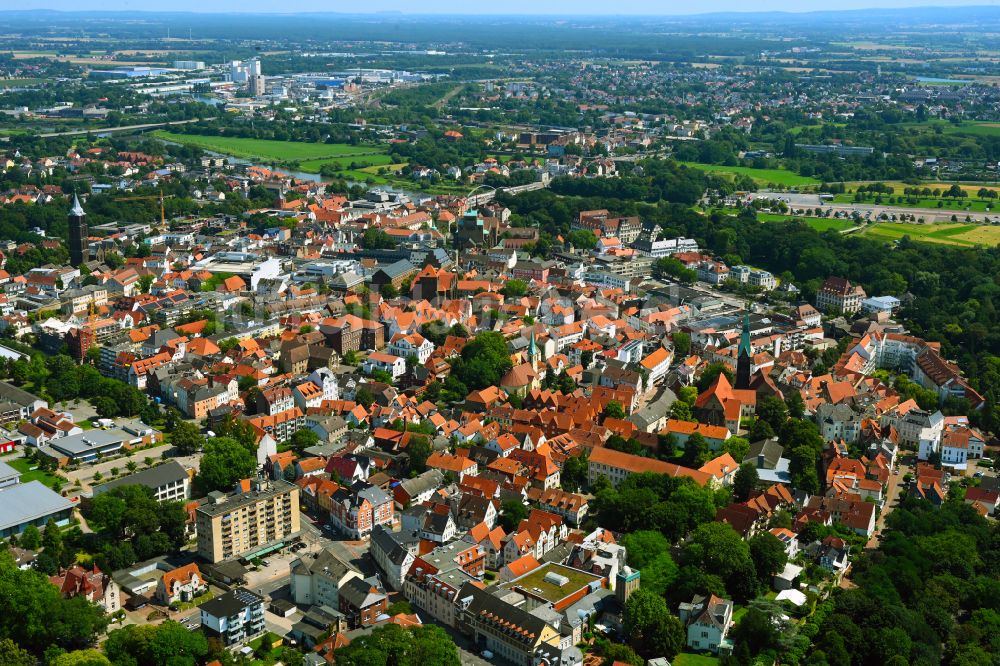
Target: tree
<point>695,448</point>
<point>796,406</point>
<point>652,630</point>
<point>737,447</point>
<point>614,410</point>
<point>515,288</point>
<point>681,411</point>
<point>717,549</point>
<point>11,654</point>
<point>756,630</point>
<point>773,411</point>
<point>768,555</point>
<point>145,282</point>
<point>302,439</point>
<point>574,472</point>
<point>52,540</point>
<point>582,239</point>
<point>186,437</point>
<point>31,538</point>
<point>88,657</point>
<point>649,552</point>
<point>364,397</point>
<point>745,482</point>
<point>760,430</point>
<point>105,406</point>
<point>688,394</point>
<point>418,451</point>
<point>167,644</point>
<point>512,512</point>
<point>483,362</point>
<point>225,462</point>
<point>36,616</point>
<point>392,644</point>
<point>682,343</point>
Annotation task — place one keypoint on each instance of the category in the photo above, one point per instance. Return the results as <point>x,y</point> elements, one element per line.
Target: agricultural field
<point>310,157</point>
<point>961,235</point>
<point>760,176</point>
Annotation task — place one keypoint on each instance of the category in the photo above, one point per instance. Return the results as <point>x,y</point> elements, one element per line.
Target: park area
<point>764,177</point>
<point>308,157</point>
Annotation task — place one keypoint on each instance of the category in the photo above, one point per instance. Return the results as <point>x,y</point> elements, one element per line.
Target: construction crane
<point>160,196</point>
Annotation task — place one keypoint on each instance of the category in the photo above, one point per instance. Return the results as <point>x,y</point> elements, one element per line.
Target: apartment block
<point>249,522</point>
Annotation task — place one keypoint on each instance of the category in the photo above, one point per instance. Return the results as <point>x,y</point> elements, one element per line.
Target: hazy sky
<point>564,7</point>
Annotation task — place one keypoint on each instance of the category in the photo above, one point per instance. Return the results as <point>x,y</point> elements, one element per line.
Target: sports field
<point>310,156</point>
<point>962,235</point>
<point>760,176</point>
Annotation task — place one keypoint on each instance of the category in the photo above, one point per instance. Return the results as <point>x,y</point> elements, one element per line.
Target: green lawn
<point>689,659</point>
<point>27,474</point>
<point>762,176</point>
<point>310,156</point>
<point>931,203</point>
<point>817,223</point>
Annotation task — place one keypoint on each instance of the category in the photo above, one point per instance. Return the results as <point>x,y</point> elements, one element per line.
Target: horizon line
<point>985,4</point>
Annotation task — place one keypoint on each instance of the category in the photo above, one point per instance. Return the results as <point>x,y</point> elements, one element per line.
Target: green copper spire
<point>745,349</point>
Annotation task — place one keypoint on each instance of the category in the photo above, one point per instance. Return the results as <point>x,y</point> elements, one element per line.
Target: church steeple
<point>533,352</point>
<point>78,245</point>
<point>744,354</point>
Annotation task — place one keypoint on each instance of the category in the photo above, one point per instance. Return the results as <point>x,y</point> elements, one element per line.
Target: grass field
<point>14,83</point>
<point>760,176</point>
<point>961,235</point>
<point>977,129</point>
<point>27,474</point>
<point>931,203</point>
<point>311,157</point>
<point>817,223</point>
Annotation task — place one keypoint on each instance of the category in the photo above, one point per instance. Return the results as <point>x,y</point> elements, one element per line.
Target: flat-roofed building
<point>169,481</point>
<point>249,522</point>
<point>31,503</point>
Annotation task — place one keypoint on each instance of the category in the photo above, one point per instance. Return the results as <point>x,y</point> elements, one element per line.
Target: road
<point>892,495</point>
<point>111,130</point>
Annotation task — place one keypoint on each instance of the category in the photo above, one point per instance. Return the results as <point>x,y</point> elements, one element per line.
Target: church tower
<point>744,358</point>
<point>533,353</point>
<point>78,246</point>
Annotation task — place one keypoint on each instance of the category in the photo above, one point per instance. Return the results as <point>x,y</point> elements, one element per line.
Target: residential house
<point>708,620</point>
